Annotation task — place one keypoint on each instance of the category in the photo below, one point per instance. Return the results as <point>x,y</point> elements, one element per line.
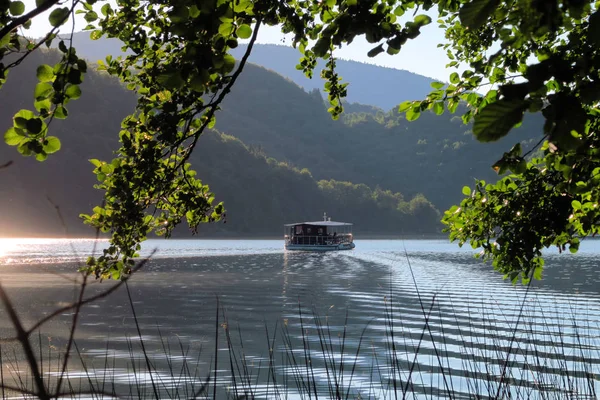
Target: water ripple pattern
<point>390,319</point>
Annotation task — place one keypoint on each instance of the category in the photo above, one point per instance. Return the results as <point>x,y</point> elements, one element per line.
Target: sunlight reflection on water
<point>471,313</point>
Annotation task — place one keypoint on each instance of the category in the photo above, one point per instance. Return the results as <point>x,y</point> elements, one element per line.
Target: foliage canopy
<point>530,55</point>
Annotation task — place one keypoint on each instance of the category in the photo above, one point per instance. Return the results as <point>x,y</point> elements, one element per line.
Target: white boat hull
<point>326,247</point>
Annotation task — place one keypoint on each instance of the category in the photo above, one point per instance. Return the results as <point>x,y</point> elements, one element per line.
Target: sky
<point>421,56</point>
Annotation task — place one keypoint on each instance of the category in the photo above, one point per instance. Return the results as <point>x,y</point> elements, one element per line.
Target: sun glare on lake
<point>6,246</point>
<point>15,245</point>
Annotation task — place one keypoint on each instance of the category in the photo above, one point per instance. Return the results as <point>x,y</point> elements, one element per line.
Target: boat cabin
<point>319,235</point>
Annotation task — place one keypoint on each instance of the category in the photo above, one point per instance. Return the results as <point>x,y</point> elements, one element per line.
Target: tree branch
<point>223,93</point>
<point>89,299</point>
<point>15,23</point>
<point>23,338</point>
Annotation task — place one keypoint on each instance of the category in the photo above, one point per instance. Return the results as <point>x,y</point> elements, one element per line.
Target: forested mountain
<point>435,155</point>
<point>369,84</point>
<point>260,193</point>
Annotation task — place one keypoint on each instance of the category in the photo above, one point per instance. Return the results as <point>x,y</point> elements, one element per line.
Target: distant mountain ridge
<point>370,84</point>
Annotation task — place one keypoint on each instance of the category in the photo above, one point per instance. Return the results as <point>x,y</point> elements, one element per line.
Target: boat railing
<point>319,240</point>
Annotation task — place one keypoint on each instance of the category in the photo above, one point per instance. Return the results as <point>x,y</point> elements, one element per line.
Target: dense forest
<point>260,192</point>
<point>435,155</point>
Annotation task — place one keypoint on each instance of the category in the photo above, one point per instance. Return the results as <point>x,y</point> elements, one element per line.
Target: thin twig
<point>62,310</point>
<point>139,331</point>
<point>23,338</point>
<point>71,334</point>
<point>224,92</point>
<point>15,23</point>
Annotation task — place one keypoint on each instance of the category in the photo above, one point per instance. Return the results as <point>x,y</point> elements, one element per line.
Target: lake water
<point>389,319</point>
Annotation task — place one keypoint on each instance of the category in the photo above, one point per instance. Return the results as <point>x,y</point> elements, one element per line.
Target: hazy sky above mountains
<point>420,56</point>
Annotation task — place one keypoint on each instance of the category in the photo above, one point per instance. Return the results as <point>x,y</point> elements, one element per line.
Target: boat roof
<point>321,223</point>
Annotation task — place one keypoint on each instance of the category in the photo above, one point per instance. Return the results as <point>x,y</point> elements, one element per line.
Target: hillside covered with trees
<point>260,192</point>
<point>283,117</point>
<point>435,155</point>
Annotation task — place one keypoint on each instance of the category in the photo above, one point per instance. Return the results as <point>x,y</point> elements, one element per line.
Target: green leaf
<point>51,144</point>
<point>226,28</point>
<point>244,31</point>
<point>45,73</point>
<point>392,51</point>
<point>97,34</point>
<point>412,114</point>
<point>438,108</point>
<point>576,204</point>
<point>454,78</point>
<point>5,40</point>
<point>593,33</point>
<point>24,148</point>
<point>195,11</point>
<point>422,20</point>
<point>58,16</point>
<point>42,105</point>
<point>73,92</point>
<point>62,47</point>
<point>197,83</point>
<point>574,246</point>
<point>20,122</point>
<point>375,51</point>
<point>17,7</point>
<point>60,112</point>
<point>476,13</point>
<point>171,80</point>
<point>42,91</point>
<point>34,125</point>
<point>82,65</point>
<point>25,114</point>
<point>537,273</point>
<point>179,14</point>
<point>437,85</point>
<point>495,120</point>
<point>75,76</point>
<point>228,63</point>
<point>106,10</point>
<point>405,106</point>
<point>41,156</point>
<point>91,16</point>
<point>466,190</point>
<point>322,46</point>
<point>519,166</point>
<point>13,137</point>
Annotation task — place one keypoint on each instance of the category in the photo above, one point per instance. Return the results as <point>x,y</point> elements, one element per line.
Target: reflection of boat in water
<point>323,235</point>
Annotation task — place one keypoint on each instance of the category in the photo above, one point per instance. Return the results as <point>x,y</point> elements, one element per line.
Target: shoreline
<point>240,237</point>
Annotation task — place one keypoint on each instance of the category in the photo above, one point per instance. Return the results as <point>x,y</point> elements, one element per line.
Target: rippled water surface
<point>414,318</point>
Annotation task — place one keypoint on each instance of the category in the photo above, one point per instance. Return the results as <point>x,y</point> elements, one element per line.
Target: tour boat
<point>325,235</point>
